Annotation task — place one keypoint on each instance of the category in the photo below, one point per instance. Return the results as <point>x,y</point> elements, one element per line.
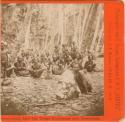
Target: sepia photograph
<point>52,59</point>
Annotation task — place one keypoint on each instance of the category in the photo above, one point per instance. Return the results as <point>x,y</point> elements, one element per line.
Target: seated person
<point>36,69</point>
<point>90,55</point>
<point>20,67</point>
<point>68,59</point>
<point>81,80</point>
<point>89,65</point>
<point>77,63</point>
<point>57,68</point>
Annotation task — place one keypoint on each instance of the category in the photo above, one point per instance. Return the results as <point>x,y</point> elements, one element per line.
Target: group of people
<point>69,61</point>
<point>28,63</point>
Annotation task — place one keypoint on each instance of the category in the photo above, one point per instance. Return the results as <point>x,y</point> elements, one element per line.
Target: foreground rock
<point>38,97</point>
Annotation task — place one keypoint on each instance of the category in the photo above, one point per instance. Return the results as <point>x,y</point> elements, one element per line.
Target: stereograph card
<point>62,60</point>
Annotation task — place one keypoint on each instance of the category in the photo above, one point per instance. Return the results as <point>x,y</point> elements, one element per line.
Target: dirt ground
<point>25,95</point>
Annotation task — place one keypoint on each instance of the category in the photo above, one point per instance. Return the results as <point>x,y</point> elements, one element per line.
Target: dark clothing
<point>57,70</point>
<point>73,54</point>
<point>55,58</point>
<point>36,73</point>
<point>20,66</point>
<point>36,70</point>
<point>3,69</point>
<point>89,66</point>
<point>9,70</point>
<point>82,82</point>
<point>4,63</point>
<point>20,69</point>
<point>36,66</point>
<point>77,64</point>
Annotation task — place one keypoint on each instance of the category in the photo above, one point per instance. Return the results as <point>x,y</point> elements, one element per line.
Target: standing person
<point>73,51</point>
<point>56,50</point>
<point>10,67</point>
<point>4,59</point>
<point>56,54</point>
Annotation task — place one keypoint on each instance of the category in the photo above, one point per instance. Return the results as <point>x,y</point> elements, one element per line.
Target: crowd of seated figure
<point>32,64</point>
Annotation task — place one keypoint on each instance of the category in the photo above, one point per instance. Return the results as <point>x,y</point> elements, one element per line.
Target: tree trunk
<point>27,36</point>
<point>96,30</point>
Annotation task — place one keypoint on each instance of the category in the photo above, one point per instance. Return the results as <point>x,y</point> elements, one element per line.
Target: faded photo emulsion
<point>52,59</point>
